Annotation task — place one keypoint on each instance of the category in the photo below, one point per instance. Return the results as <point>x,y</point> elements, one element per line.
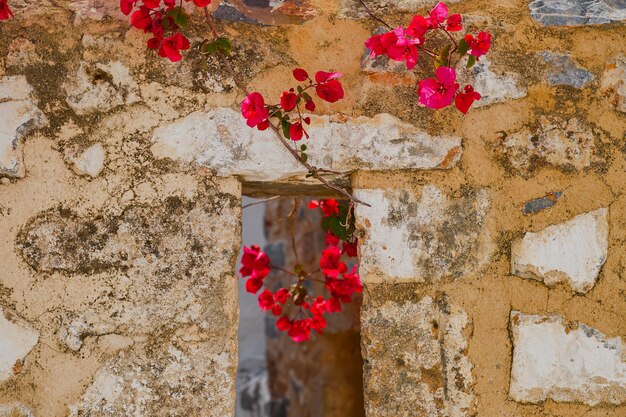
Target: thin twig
<point>261,201</point>
<point>373,16</point>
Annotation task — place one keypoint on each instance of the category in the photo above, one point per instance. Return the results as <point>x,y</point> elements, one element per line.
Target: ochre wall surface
<point>493,256</point>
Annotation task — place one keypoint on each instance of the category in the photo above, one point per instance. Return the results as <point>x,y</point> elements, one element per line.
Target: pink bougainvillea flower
<point>281,295</point>
<point>201,3</point>
<point>465,98</point>
<point>453,24</point>
<point>398,45</point>
<point>318,306</point>
<point>126,6</point>
<point>277,310</point>
<point>480,45</point>
<point>350,248</point>
<point>141,18</point>
<point>375,45</point>
<point>253,109</point>
<point>288,100</point>
<point>330,264</point>
<point>331,239</point>
<point>418,27</point>
<point>328,88</point>
<point>254,284</point>
<point>323,76</point>
<point>437,15</point>
<point>333,305</point>
<point>152,4</point>
<point>263,125</point>
<point>300,330</point>
<point>330,207</point>
<point>330,91</point>
<point>283,323</point>
<point>5,12</point>
<point>438,93</point>
<point>154,43</point>
<point>254,261</point>
<point>171,47</point>
<point>318,323</point>
<point>266,300</point>
<point>296,131</point>
<point>310,105</point>
<point>300,74</point>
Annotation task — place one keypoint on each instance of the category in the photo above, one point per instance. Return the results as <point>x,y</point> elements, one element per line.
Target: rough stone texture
<point>353,8</point>
<point>19,115</point>
<point>17,339</point>
<point>90,162</point>
<point>15,410</point>
<point>101,87</point>
<point>577,12</point>
<point>564,71</point>
<point>565,362</point>
<point>536,205</point>
<point>141,248</point>
<point>221,141</point>
<point>572,252</point>
<point>266,12</point>
<point>186,377</point>
<point>422,237</point>
<point>613,85</point>
<point>417,363</point>
<point>565,144</point>
<point>494,87</point>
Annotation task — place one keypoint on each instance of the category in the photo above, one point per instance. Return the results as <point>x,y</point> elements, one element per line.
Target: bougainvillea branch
<point>373,16</point>
<point>254,106</point>
<point>405,44</point>
<point>299,310</point>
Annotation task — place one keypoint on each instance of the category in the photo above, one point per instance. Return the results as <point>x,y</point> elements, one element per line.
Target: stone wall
<point>493,256</point>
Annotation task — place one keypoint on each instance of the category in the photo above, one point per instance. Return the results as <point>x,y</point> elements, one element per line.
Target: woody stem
<point>373,16</point>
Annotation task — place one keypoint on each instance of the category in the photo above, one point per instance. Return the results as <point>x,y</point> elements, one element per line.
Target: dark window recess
<point>277,377</point>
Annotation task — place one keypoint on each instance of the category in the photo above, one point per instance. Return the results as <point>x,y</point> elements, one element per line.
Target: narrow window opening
<point>277,377</point>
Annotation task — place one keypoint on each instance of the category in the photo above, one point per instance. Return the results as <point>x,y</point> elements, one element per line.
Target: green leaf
<point>225,45</point>
<point>299,89</point>
<point>326,223</point>
<point>442,59</point>
<point>181,19</point>
<point>471,61</point>
<point>463,47</point>
<point>303,147</point>
<point>306,96</point>
<point>286,125</point>
<point>336,228</point>
<point>219,45</point>
<point>303,157</point>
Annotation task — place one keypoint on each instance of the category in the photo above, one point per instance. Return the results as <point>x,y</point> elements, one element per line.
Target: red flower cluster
<point>406,44</point>
<point>163,19</point>
<point>439,92</point>
<point>5,12</point>
<point>258,114</point>
<point>256,265</point>
<point>340,283</point>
